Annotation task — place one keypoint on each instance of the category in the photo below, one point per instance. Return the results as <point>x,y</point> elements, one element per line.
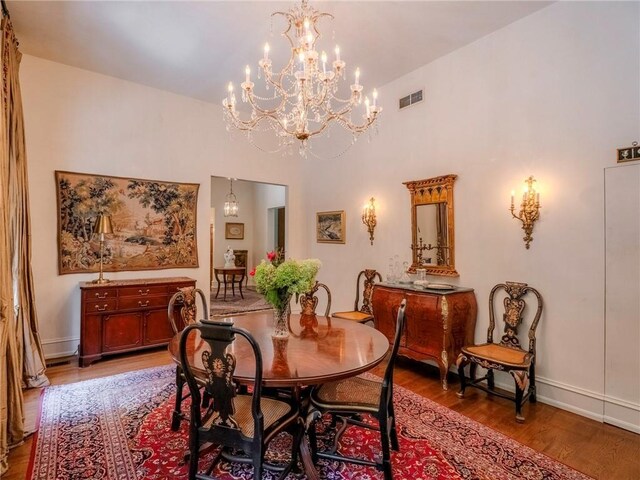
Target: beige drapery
<point>21,357</point>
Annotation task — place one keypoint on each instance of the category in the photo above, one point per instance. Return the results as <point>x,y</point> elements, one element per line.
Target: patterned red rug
<point>118,428</point>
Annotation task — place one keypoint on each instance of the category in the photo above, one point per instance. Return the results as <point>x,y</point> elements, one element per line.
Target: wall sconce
<point>369,217</point>
<point>529,210</point>
<point>102,227</point>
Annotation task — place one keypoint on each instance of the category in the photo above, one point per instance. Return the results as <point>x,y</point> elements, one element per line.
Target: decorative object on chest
<point>438,322</point>
<point>126,315</point>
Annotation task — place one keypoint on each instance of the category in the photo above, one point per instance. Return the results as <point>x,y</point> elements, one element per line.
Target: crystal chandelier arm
<point>304,101</point>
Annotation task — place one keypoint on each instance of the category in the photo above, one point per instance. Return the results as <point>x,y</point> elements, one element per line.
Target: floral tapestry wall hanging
<point>154,223</point>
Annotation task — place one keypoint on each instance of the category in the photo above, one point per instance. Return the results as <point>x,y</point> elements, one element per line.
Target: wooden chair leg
<point>519,394</point>
<point>206,398</point>
<point>386,450</point>
<point>176,417</point>
<point>462,361</point>
<point>490,380</point>
<point>532,384</point>
<point>395,445</point>
<point>193,451</point>
<point>313,442</point>
<point>257,464</point>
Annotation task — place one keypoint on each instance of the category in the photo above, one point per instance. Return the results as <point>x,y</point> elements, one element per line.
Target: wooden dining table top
<point>318,350</point>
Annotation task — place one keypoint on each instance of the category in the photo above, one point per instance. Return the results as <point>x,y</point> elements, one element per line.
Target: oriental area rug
<point>252,302</point>
<point>119,428</point>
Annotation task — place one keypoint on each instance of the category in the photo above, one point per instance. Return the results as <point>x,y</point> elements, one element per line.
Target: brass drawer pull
<point>143,292</point>
<point>104,307</point>
<point>145,304</point>
<point>103,296</point>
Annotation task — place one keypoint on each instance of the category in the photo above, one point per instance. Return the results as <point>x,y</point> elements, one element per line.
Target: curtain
<point>21,356</point>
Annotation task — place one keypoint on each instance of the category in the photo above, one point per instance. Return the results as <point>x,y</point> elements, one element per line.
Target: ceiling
<point>196,48</point>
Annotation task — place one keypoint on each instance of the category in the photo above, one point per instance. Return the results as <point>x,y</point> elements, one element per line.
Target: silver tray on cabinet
<point>440,286</point>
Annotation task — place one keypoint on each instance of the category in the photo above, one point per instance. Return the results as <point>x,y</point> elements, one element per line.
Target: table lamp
<point>103,226</point>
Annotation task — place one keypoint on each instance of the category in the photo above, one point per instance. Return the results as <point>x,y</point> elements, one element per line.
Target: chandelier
<point>231,204</point>
<point>305,97</point>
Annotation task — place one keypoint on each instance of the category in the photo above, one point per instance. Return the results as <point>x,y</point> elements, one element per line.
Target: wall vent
<point>411,99</point>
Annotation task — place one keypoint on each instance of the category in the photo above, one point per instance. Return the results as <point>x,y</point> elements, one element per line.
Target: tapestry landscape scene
<point>154,223</point>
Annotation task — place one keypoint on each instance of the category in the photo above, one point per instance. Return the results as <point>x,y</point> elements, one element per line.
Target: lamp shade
<point>103,224</point>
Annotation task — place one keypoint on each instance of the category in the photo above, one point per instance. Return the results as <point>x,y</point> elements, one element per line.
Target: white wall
<point>82,121</point>
<point>551,95</point>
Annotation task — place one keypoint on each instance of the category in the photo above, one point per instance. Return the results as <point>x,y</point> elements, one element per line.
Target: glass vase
<point>281,320</point>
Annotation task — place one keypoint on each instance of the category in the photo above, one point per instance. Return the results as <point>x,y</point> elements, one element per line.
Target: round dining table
<point>318,350</point>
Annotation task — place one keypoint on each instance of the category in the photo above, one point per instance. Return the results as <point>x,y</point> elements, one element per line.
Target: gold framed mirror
<point>432,225</point>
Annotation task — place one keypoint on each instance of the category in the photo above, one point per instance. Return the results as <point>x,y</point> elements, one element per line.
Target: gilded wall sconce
<point>529,210</point>
<point>369,217</point>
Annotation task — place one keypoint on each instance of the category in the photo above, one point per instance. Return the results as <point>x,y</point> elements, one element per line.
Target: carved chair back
<point>221,425</point>
<point>370,276</point>
<point>309,300</point>
<point>513,316</point>
<point>186,298</point>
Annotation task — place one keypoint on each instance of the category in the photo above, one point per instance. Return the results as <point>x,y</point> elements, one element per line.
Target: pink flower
<point>253,272</point>
<point>271,256</point>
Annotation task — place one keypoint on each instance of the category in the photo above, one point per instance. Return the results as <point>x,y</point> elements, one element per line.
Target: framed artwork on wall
<point>234,231</point>
<point>331,227</point>
<point>154,223</point>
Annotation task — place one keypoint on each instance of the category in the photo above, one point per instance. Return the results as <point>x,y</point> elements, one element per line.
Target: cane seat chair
<point>242,424</point>
<point>347,399</point>
<point>185,299</point>
<point>507,355</point>
<point>309,301</point>
<point>364,312</point>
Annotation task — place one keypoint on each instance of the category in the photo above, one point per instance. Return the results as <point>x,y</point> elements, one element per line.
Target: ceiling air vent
<point>410,99</point>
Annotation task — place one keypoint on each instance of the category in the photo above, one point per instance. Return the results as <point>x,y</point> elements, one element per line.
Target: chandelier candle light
<point>529,210</point>
<point>304,101</point>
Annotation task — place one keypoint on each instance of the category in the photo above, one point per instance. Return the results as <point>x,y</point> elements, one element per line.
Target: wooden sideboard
<point>438,322</point>
<point>127,315</point>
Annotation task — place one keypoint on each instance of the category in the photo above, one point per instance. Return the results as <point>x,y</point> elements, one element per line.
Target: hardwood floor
<point>601,451</point>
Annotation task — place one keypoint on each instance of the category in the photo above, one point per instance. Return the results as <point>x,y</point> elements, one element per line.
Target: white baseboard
<point>586,403</point>
<point>60,347</point>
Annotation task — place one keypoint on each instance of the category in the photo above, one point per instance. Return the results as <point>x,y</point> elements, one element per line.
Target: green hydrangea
<point>290,277</point>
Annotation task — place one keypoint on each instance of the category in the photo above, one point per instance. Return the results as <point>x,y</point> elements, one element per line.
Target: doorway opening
<point>259,227</point>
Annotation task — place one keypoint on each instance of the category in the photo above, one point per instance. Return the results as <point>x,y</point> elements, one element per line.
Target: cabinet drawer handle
<point>145,304</point>
<point>143,292</point>
<point>103,296</point>
<point>104,307</point>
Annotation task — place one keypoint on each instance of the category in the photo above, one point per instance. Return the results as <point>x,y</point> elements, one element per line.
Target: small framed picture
<point>234,231</point>
<point>330,227</point>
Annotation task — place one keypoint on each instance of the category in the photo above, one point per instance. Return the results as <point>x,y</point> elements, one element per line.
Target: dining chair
<point>364,312</point>
<point>507,355</point>
<point>235,419</point>
<point>349,398</point>
<point>309,301</point>
<point>184,300</point>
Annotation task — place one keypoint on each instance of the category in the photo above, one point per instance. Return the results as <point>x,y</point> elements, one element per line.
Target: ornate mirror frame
<point>426,192</point>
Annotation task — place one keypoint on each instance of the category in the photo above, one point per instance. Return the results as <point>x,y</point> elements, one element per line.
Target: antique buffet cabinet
<point>437,322</point>
<point>126,315</point>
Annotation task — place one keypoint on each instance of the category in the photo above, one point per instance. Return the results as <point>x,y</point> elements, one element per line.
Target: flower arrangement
<point>278,279</point>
